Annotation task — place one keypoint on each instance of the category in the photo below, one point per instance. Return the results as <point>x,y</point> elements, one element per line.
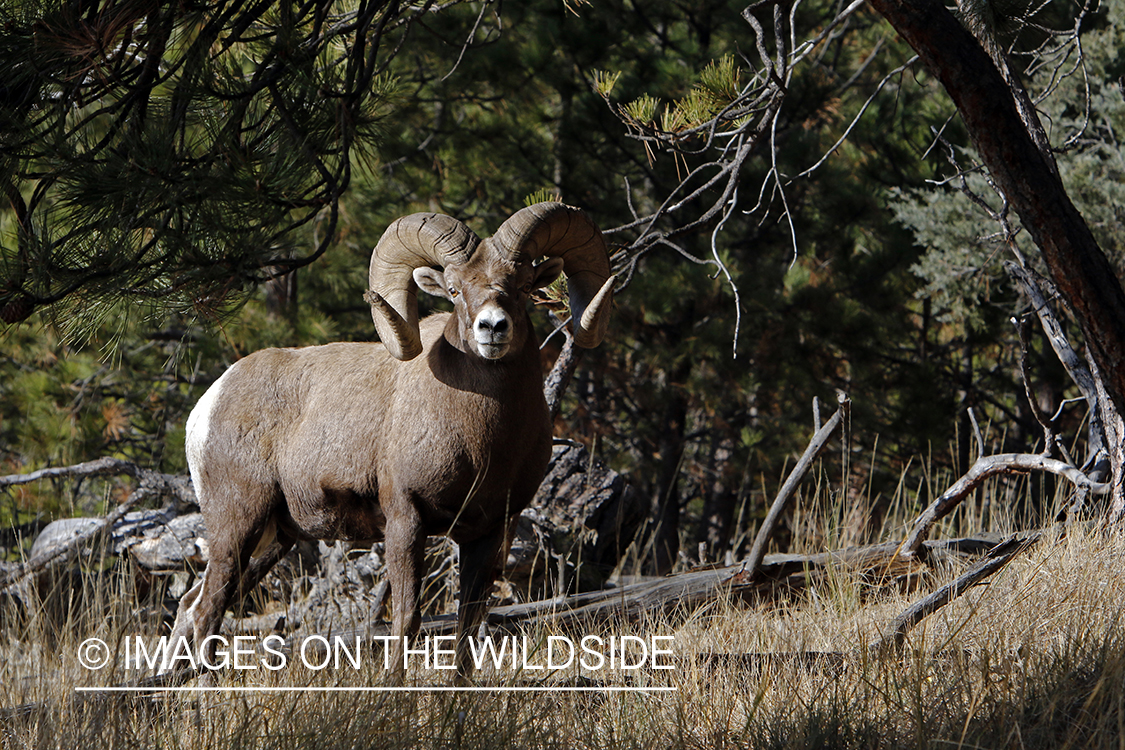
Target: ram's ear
<point>547,271</point>
<point>431,281</point>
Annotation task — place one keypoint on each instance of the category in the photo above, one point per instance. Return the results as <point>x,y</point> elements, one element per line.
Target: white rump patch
<point>199,429</point>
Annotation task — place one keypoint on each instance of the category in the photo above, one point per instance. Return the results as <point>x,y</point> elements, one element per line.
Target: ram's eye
<point>453,292</point>
<point>527,288</point>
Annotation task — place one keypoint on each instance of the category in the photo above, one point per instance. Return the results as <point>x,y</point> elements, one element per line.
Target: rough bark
<point>584,517</point>
<point>554,386</point>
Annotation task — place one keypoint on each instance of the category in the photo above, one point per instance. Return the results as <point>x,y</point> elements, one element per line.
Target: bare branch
<point>855,120</point>
<point>554,386</point>
<point>995,560</point>
<point>984,468</point>
<point>1032,286</point>
<point>758,552</point>
<point>59,554</point>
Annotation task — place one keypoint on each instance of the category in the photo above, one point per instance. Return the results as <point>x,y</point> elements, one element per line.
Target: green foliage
<point>642,111</point>
<point>161,159</point>
<point>720,84</point>
<point>964,246</point>
<point>965,249</point>
<point>525,115</point>
<point>542,195</point>
<point>604,81</point>
<point>962,265</point>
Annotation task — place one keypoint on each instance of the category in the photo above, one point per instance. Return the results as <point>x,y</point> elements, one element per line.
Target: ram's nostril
<point>492,323</point>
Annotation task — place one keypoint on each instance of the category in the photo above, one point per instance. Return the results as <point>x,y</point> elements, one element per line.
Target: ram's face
<point>489,296</point>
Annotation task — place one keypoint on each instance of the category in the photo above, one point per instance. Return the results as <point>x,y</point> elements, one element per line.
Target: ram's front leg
<point>405,545</point>
<point>480,560</point>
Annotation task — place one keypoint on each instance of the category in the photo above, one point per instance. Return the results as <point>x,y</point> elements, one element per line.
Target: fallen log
<point>582,519</point>
<point>59,554</point>
<point>151,485</point>
<point>879,563</point>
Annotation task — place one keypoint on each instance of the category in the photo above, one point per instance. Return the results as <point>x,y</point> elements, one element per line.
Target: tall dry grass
<point>1033,659</point>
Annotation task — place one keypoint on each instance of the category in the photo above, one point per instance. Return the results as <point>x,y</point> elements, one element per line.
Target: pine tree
<point>165,156</point>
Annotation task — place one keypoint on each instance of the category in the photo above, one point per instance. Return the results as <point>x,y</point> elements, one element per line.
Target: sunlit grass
<point>1035,659</point>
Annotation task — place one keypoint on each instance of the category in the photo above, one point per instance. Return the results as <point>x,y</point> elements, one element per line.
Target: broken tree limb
<point>554,386</point>
<point>151,485</point>
<point>984,468</point>
<point>1115,444</point>
<point>177,487</point>
<point>789,489</point>
<point>101,467</point>
<point>688,591</point>
<point>1032,286</point>
<point>61,553</point>
<point>995,560</point>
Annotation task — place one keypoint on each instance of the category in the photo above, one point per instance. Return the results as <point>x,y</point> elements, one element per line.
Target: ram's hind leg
<point>233,540</point>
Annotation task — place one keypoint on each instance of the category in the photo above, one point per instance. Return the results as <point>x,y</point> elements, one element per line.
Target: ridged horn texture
<point>545,229</point>
<point>417,240</point>
<point>557,230</point>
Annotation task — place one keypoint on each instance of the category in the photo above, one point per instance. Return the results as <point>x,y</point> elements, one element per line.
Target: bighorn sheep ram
<point>362,441</point>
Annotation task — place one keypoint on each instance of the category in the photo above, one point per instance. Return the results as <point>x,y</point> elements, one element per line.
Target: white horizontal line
<point>436,689</point>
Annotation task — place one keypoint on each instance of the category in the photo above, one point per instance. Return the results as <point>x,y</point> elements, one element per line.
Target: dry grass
<point>1034,659</point>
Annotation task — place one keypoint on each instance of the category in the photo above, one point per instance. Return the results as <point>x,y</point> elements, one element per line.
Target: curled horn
<point>557,230</point>
<point>422,239</point>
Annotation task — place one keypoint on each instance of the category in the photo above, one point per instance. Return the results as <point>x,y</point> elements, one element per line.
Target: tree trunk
<point>1025,176</point>
<point>665,533</point>
<point>720,501</point>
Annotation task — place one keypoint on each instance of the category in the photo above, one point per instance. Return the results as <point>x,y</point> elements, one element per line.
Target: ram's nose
<point>493,332</point>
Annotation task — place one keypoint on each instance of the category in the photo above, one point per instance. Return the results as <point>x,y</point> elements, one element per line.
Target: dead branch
<point>995,560</point>
<point>816,445</point>
<point>177,487</point>
<point>688,591</point>
<point>984,468</point>
<point>56,555</point>
<point>1032,286</point>
<point>559,377</point>
<point>1115,440</point>
<point>98,468</point>
<point>151,485</point>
